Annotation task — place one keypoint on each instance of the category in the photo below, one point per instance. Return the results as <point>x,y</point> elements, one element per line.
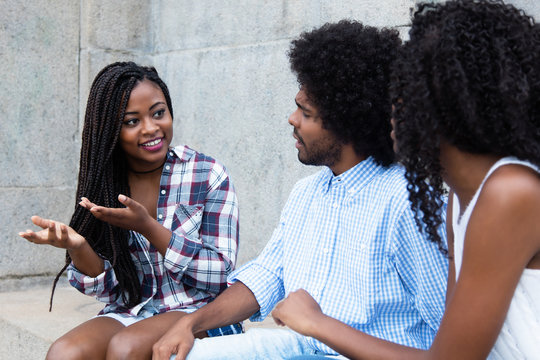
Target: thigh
<point>87,341</point>
<point>256,343</point>
<point>136,341</point>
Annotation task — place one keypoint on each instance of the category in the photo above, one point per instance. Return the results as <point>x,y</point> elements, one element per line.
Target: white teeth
<point>152,143</point>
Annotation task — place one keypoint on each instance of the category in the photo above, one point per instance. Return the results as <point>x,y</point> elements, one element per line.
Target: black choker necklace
<point>149,171</point>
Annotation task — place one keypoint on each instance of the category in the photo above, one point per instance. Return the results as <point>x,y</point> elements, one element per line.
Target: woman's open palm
<point>54,233</point>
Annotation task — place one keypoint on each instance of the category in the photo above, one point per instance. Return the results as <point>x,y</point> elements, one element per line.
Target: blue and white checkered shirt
<point>352,242</point>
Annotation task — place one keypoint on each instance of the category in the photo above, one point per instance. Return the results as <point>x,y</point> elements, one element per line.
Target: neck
<point>348,159</point>
<point>147,171</point>
<point>463,172</point>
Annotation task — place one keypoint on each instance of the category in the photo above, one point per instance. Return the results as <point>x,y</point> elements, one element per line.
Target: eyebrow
<point>151,107</point>
<point>302,107</point>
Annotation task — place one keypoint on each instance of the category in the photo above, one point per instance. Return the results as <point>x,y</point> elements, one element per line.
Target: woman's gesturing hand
<point>133,217</point>
<point>54,233</point>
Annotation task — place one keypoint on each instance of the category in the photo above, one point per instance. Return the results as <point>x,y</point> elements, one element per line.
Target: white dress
<point>520,335</point>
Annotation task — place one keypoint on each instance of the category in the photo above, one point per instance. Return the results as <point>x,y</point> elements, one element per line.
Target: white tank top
<point>520,335</point>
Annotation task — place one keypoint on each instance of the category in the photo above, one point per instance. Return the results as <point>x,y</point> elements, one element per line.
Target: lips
<point>153,145</point>
<point>298,138</point>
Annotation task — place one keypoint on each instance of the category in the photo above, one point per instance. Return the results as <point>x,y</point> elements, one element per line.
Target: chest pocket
<point>188,218</point>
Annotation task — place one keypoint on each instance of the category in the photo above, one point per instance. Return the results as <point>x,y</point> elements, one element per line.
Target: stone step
<point>28,328</point>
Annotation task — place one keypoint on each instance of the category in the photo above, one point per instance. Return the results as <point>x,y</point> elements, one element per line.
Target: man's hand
<point>178,340</point>
<point>299,311</point>
<point>133,217</point>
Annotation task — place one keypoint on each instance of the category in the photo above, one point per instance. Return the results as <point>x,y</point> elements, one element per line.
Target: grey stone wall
<point>232,91</point>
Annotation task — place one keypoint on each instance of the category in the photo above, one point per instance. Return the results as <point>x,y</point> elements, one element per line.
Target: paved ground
<point>27,328</point>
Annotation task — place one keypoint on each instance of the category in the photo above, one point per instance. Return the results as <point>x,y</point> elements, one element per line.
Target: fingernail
<point>122,197</point>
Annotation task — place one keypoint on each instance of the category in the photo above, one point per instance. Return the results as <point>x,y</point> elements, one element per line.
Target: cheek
<point>168,129</point>
<point>126,138</point>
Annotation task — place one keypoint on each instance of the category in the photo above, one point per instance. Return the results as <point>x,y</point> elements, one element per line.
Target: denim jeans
<point>256,343</point>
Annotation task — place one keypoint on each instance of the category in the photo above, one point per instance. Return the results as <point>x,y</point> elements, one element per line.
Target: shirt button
<point>163,192</point>
<point>168,167</point>
<point>335,205</point>
<point>325,250</point>
<point>362,246</point>
<point>171,153</point>
<point>316,292</point>
<point>160,216</point>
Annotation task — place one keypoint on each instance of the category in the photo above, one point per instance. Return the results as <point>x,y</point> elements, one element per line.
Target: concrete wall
<point>231,86</point>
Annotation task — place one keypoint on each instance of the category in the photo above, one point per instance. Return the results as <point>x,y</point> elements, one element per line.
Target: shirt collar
<point>353,179</point>
<point>182,152</point>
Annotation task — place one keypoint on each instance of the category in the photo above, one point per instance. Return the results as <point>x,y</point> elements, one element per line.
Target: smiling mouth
<point>152,142</point>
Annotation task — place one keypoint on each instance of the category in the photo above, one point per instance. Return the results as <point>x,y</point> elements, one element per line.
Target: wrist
<point>147,227</point>
<point>81,246</point>
<point>186,325</point>
<point>316,325</point>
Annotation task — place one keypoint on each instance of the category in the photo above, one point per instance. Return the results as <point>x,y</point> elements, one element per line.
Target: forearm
<point>86,260</point>
<point>158,235</point>
<point>355,344</point>
<point>235,304</point>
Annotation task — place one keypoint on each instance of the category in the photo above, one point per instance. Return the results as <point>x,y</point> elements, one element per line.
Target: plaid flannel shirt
<point>351,241</point>
<point>197,202</point>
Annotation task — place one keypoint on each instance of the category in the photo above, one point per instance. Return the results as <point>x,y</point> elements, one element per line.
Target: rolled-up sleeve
<point>264,275</point>
<point>103,287</point>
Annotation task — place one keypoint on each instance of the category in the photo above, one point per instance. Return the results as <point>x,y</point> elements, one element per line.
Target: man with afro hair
<point>347,234</point>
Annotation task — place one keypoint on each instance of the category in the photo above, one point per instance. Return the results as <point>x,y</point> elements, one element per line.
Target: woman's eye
<point>159,113</point>
<point>130,122</point>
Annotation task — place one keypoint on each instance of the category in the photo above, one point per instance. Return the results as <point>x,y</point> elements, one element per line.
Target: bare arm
<point>451,282</point>
<point>301,313</point>
<point>235,304</point>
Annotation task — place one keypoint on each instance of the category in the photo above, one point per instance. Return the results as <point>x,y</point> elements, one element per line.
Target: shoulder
<point>390,185</point>
<point>200,160</point>
<point>204,167</point>
<point>512,187</point>
<point>304,190</point>
<point>312,181</point>
<point>506,213</point>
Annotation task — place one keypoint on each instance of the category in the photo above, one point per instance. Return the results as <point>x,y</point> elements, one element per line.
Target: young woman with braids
<point>156,230</point>
<point>467,112</point>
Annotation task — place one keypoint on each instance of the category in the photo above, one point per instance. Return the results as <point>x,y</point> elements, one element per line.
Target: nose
<point>293,118</point>
<point>149,126</point>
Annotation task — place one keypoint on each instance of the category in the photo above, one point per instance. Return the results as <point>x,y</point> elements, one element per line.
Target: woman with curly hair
<point>466,93</point>
<point>154,232</point>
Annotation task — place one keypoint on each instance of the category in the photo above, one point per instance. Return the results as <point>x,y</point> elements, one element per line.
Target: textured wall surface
<point>39,50</point>
<point>232,91</point>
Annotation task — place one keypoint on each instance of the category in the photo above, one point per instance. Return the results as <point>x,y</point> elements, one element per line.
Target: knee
<point>65,349</point>
<point>124,347</point>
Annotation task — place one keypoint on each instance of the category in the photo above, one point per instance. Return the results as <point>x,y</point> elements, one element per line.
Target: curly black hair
<point>469,76</point>
<point>344,68</point>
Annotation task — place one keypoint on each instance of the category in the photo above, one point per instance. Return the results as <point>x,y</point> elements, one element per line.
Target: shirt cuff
<point>265,285</point>
<point>91,285</point>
